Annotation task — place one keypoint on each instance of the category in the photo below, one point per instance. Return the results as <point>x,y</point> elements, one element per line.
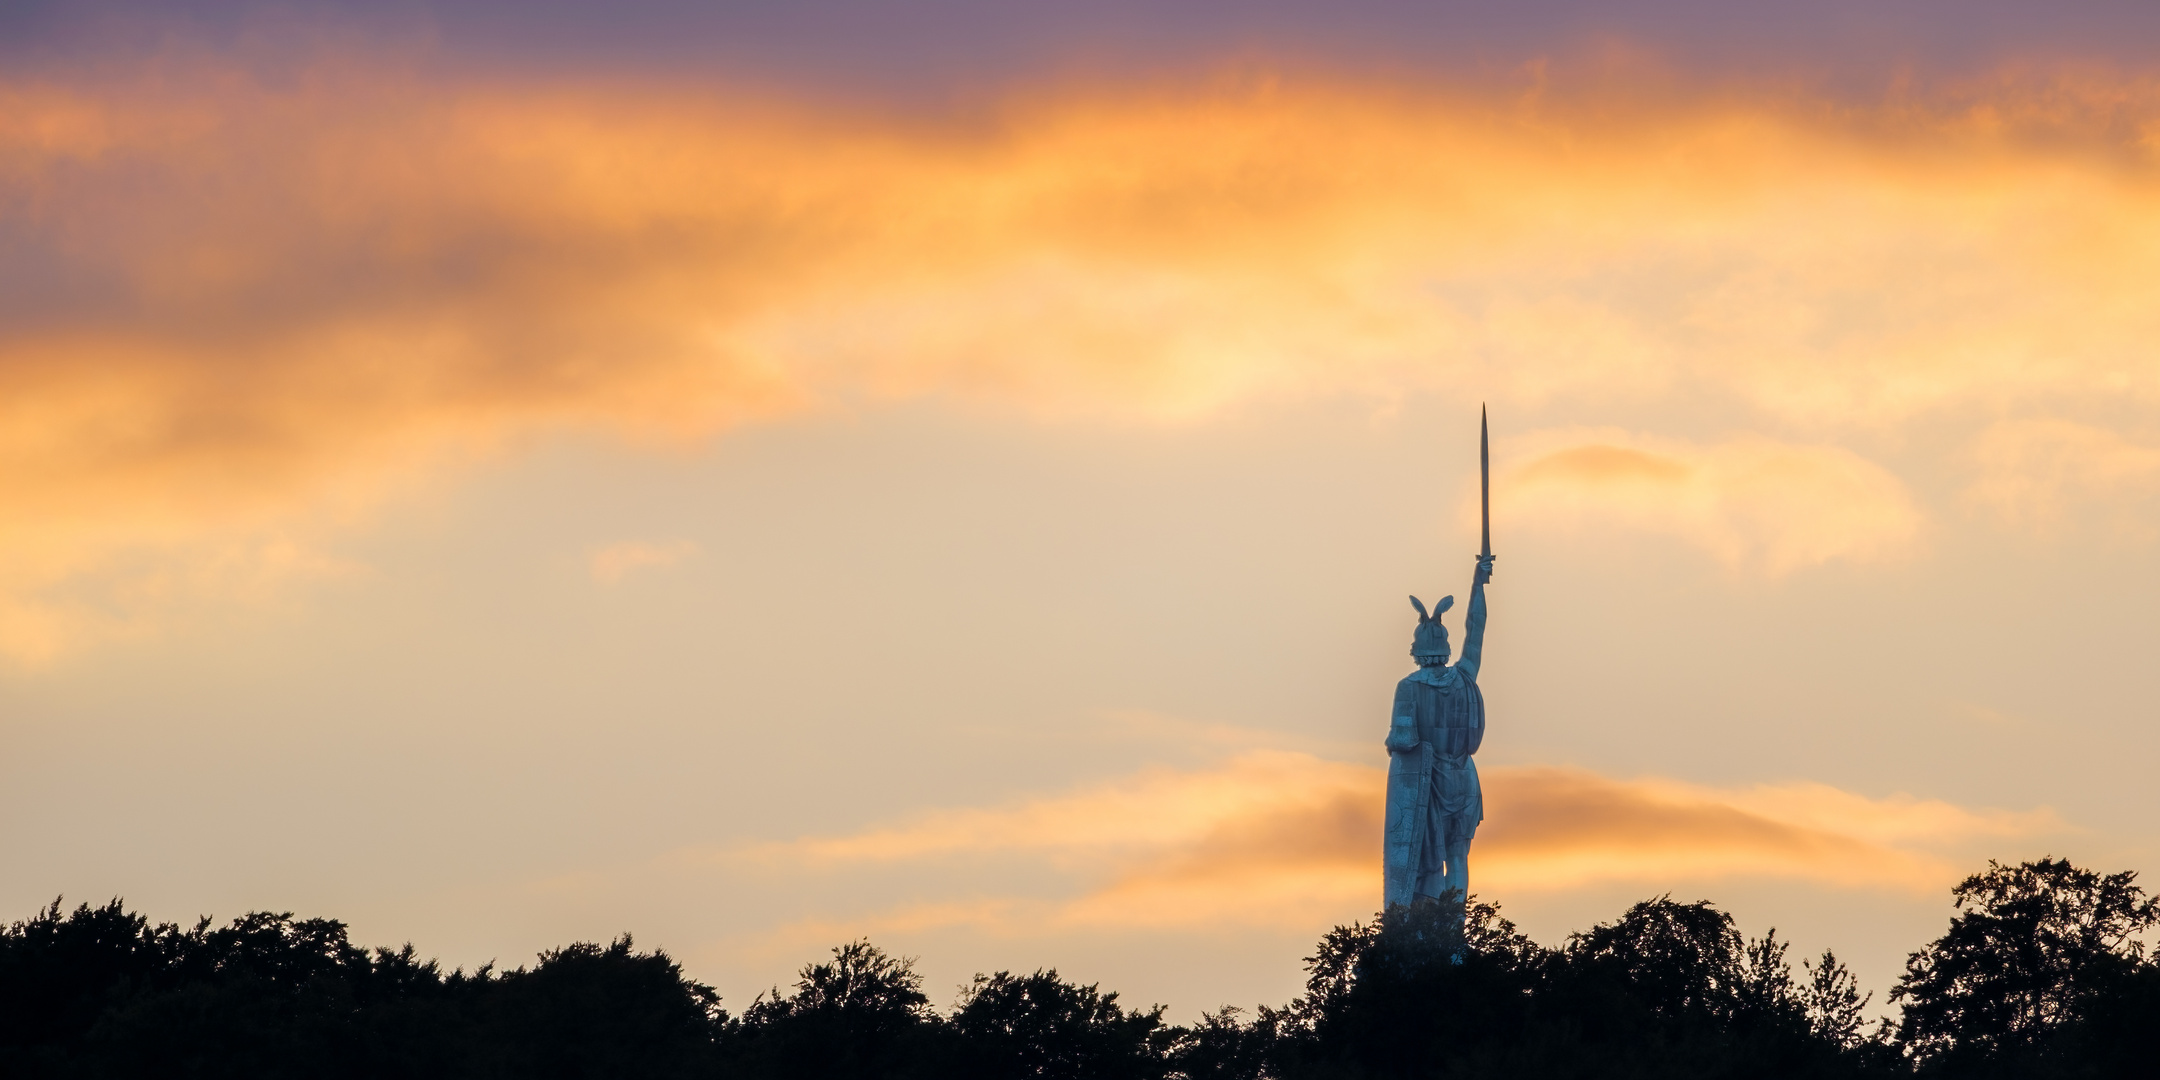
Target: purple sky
<point>945,46</point>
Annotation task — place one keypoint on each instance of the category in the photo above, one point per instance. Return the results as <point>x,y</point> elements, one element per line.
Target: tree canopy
<point>2042,972</point>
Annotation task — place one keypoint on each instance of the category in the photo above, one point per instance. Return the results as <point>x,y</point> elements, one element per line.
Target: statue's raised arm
<point>1473,642</point>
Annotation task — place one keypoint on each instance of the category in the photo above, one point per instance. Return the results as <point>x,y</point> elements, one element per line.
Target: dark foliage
<point>2041,974</point>
<point>1013,1026</point>
<point>1220,1047</point>
<point>102,992</point>
<point>588,1010</point>
<point>1668,990</point>
<point>863,1015</point>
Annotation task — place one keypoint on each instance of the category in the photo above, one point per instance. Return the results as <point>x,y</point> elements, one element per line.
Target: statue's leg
<point>1433,885</point>
<point>1432,879</point>
<point>1458,866</point>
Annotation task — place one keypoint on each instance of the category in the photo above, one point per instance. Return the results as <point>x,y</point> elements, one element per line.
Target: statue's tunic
<point>1433,795</point>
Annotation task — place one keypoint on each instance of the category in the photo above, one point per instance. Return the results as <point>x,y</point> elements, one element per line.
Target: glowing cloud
<point>1281,838</point>
<point>248,310</point>
<point>1752,503</point>
<point>2034,471</point>
<point>615,561</point>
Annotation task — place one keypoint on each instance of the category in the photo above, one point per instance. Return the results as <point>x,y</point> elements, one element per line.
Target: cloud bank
<point>240,310</point>
<point>1278,838</point>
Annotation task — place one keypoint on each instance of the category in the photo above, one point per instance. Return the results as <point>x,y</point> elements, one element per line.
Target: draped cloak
<point>1433,794</point>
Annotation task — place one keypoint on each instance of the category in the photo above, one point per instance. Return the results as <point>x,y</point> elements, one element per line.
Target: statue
<point>1434,801</point>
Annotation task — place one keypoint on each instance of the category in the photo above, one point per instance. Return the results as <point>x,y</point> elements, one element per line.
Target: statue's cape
<point>1448,712</point>
<point>1442,676</point>
<point>1449,709</point>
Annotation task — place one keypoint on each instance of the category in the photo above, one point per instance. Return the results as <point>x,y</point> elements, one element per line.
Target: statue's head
<point>1429,645</point>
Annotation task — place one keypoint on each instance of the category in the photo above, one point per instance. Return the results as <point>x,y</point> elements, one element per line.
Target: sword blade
<point>1484,476</point>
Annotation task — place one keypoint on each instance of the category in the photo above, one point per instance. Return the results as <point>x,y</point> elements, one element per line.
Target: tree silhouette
<point>1015,1026</point>
<point>596,1011</point>
<point>2041,974</point>
<point>60,973</point>
<point>1221,1047</point>
<point>1679,963</point>
<point>863,1016</point>
<point>1836,1009</point>
<point>2040,947</point>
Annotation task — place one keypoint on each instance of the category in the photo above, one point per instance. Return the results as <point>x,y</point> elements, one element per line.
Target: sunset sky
<point>758,475</point>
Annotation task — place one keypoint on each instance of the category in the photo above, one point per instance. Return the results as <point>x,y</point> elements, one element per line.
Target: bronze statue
<point>1434,801</point>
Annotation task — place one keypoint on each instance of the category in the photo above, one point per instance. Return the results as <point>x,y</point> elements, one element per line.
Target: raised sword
<point>1484,475</point>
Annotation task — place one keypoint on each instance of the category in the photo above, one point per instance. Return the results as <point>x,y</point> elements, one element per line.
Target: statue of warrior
<point>1434,802</point>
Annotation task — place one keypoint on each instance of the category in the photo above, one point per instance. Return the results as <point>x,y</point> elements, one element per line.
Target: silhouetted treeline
<point>2041,974</point>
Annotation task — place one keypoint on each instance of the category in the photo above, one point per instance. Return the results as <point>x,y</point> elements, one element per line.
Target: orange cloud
<point>615,561</point>
<point>1752,503</point>
<point>2034,471</point>
<point>1283,838</point>
<point>251,309</point>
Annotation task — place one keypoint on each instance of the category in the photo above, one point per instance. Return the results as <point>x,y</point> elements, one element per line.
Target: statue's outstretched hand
<point>1484,570</point>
